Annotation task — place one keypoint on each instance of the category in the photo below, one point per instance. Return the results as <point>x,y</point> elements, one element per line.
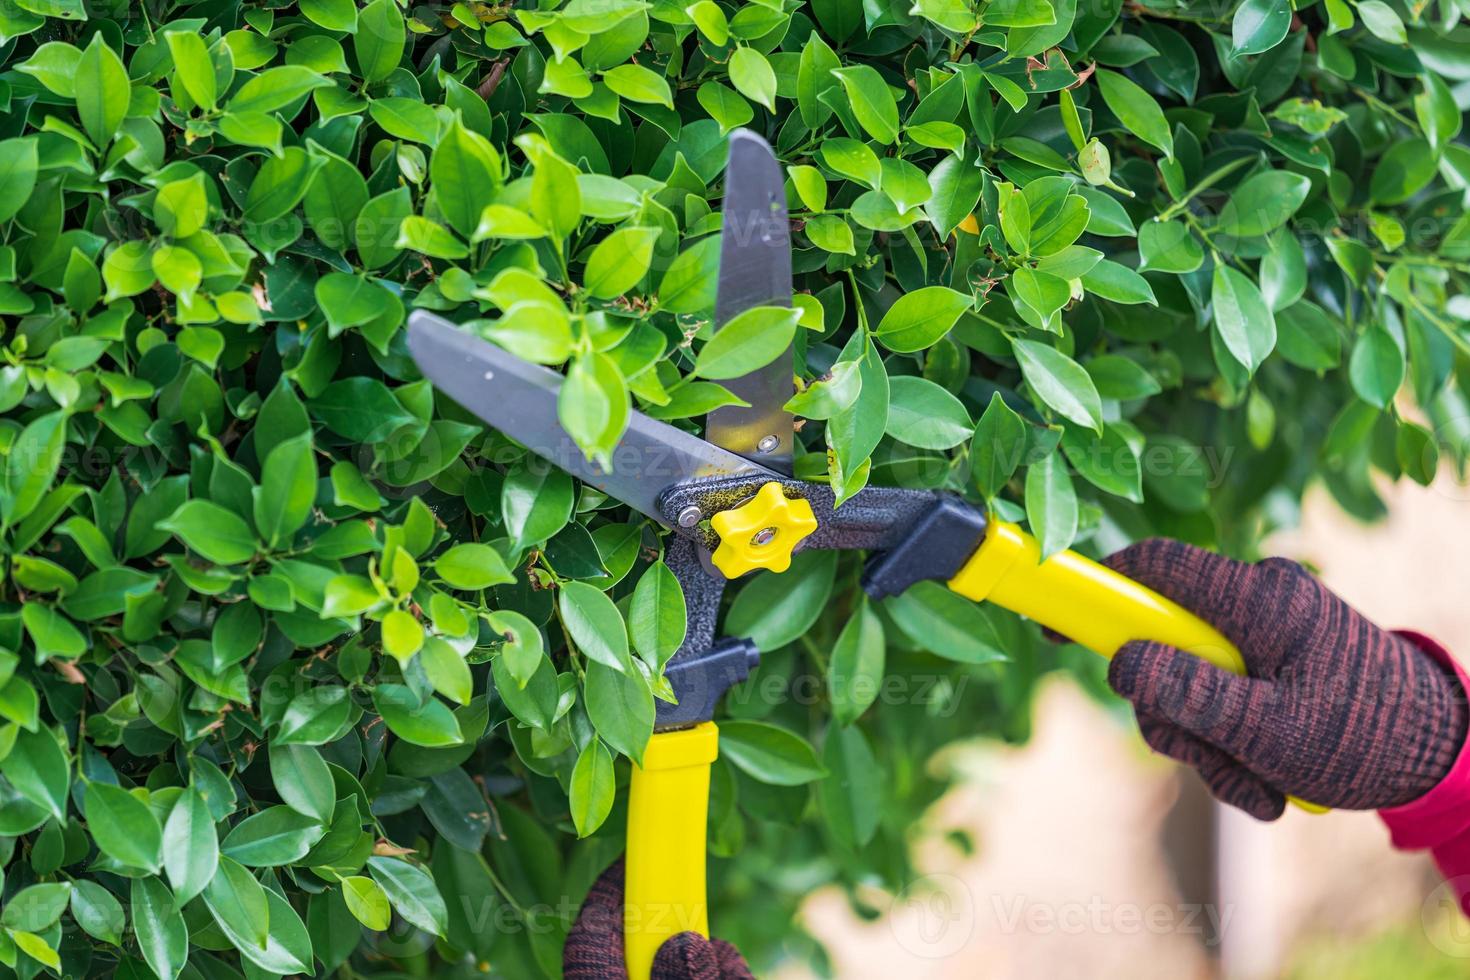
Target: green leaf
<point>595,624</point>
<point>238,903</point>
<point>998,446</point>
<point>769,754</point>
<point>380,39</point>
<point>918,319</point>
<point>1116,376</point>
<point>955,188</point>
<point>279,185</point>
<point>536,500</point>
<point>102,91</point>
<point>217,534</point>
<point>163,938</point>
<point>428,723</point>
<point>466,172</point>
<point>638,84</point>
<point>1242,318</point>
<point>1308,337</point>
<point>123,827</point>
<point>657,616</point>
<point>472,566</point>
<point>1402,172</point>
<point>945,623</point>
<point>871,102</point>
<point>1051,504</point>
<point>752,76</point>
<point>367,902</point>
<point>619,261</point>
<point>750,340</point>
<point>855,674</point>
<point>39,770</point>
<point>276,88</point>
<point>1435,108</point>
<point>1376,366</point>
<point>334,15</point>
<point>773,610</point>
<point>620,705</point>
<point>922,414</point>
<point>447,670</point>
<point>303,781</point>
<point>1383,21</point>
<point>1136,110</point>
<point>412,892</point>
<point>35,908</point>
<point>98,913</point>
<point>31,465</point>
<point>35,947</point>
<point>419,234</point>
<point>288,948</point>
<point>853,793</point>
<point>1115,281</point>
<point>52,633</point>
<point>1169,246</point>
<point>190,846</point>
<point>593,406</point>
<point>19,163</point>
<point>1060,382</point>
<point>193,66</point>
<point>1263,203</point>
<point>592,787</point>
<point>282,502</point>
<point>403,636</point>
<point>1259,25</point>
<point>274,837</point>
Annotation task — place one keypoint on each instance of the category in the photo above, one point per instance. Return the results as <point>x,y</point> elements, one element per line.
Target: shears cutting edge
<point>733,507</point>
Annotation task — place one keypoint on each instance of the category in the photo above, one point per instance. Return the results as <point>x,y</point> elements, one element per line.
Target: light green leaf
<point>1060,382</point>
<point>1136,110</point>
<point>918,319</point>
<point>750,340</point>
<point>102,90</point>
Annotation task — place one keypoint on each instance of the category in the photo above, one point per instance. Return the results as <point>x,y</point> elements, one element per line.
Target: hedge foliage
<point>304,669</point>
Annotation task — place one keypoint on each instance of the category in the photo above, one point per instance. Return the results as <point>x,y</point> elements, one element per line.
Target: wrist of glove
<point>1335,710</point>
<point>594,947</point>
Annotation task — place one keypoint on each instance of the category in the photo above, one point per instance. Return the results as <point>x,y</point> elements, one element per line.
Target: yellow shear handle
<point>668,816</point>
<point>1087,602</point>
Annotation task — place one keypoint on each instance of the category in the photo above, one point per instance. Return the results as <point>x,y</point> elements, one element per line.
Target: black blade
<point>519,398</point>
<point>755,270</point>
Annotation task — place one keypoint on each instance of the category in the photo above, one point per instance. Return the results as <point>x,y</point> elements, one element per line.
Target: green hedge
<point>273,607</point>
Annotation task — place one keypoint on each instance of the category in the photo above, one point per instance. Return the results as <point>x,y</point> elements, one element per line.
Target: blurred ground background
<point>1096,860</point>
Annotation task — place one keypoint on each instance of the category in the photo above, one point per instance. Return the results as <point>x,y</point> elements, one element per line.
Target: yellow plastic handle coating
<point>668,814</point>
<point>1087,602</point>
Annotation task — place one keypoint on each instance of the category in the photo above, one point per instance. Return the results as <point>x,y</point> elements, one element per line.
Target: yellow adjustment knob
<point>761,532</point>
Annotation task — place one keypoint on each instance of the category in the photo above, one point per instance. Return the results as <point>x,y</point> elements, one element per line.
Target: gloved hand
<point>1335,710</point>
<point>594,947</point>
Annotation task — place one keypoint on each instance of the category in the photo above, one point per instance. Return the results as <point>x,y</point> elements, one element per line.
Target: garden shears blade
<point>519,399</point>
<point>755,270</point>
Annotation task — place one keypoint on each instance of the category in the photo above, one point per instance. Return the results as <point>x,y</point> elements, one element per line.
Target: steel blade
<point>755,270</point>
<point>519,398</point>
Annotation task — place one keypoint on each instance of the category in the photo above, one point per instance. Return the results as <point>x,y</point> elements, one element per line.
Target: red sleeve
<point>1440,819</point>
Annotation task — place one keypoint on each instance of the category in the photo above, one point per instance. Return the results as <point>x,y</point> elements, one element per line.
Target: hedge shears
<point>733,508</point>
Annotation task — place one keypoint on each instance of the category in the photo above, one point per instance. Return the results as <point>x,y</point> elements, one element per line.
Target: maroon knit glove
<point>1335,710</point>
<point>594,947</point>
